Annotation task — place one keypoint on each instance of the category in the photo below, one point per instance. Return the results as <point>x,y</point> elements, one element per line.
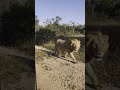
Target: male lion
<point>96,47</point>
<point>67,47</point>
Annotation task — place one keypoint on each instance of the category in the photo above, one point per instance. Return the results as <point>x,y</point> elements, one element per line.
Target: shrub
<point>44,35</point>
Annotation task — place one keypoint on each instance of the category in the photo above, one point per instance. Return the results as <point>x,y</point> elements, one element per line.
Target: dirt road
<point>17,70</point>
<point>54,73</point>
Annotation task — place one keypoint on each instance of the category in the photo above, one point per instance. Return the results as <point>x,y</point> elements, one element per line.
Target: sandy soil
<point>54,73</point>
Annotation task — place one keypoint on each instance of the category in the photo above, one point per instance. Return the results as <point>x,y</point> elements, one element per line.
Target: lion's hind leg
<point>57,51</point>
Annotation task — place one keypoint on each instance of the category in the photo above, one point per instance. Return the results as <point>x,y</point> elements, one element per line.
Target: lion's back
<point>62,45</point>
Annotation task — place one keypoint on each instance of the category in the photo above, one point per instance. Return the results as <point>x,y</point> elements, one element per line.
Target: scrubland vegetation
<point>53,28</point>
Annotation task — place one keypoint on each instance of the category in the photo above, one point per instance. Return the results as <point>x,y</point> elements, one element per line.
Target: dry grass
<point>50,45</point>
<point>80,56</point>
<point>40,54</point>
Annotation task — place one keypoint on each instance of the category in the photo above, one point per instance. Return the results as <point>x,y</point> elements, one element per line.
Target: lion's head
<point>96,45</point>
<point>75,45</point>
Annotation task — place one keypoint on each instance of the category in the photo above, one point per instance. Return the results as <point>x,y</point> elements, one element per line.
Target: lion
<point>96,47</point>
<point>67,47</point>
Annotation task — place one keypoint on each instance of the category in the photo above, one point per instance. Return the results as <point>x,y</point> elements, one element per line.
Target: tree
<point>6,4</point>
<point>57,19</point>
<point>17,23</point>
<point>36,23</point>
<point>73,26</point>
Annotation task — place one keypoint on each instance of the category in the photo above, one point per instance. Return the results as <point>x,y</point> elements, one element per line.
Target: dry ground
<point>55,73</point>
<point>16,70</point>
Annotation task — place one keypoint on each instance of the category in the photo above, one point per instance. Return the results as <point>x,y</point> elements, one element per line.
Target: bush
<point>17,25</point>
<point>44,35</point>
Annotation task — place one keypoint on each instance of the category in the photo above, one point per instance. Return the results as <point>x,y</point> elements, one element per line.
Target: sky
<point>68,10</point>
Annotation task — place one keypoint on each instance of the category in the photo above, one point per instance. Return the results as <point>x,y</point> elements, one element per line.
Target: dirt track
<point>16,70</point>
<point>54,73</point>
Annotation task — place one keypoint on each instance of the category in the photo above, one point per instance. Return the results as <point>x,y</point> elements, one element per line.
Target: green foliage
<point>36,23</point>
<point>44,35</point>
<point>53,28</point>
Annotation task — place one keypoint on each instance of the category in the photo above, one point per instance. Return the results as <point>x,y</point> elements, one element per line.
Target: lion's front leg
<point>92,75</point>
<point>57,51</point>
<point>65,56</point>
<point>72,56</point>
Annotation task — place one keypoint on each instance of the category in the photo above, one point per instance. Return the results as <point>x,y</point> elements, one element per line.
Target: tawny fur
<point>67,47</point>
<point>96,47</point>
